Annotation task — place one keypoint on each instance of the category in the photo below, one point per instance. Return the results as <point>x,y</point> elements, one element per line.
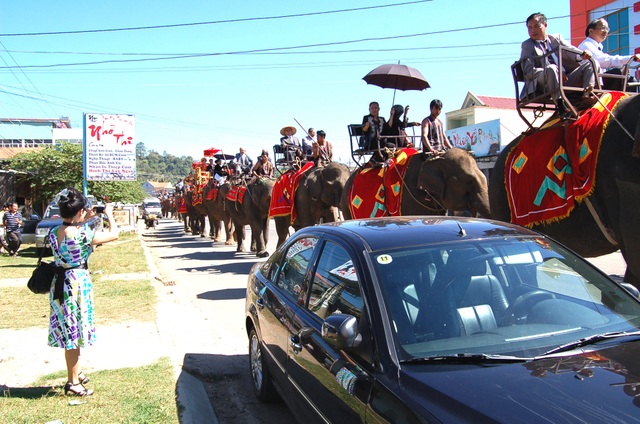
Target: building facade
<point>623,17</point>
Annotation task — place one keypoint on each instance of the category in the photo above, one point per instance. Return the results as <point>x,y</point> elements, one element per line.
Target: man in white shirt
<point>596,33</point>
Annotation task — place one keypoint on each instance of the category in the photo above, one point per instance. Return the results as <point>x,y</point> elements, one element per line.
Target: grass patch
<point>20,266</point>
<point>115,300</point>
<point>122,256</point>
<point>129,395</point>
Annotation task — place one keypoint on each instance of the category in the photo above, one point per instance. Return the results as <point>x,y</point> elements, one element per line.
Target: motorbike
<point>151,220</point>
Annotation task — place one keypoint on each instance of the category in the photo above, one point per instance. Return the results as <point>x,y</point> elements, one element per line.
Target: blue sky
<point>248,87</point>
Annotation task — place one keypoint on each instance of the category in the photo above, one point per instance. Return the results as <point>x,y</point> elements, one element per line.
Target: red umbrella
<point>211,151</point>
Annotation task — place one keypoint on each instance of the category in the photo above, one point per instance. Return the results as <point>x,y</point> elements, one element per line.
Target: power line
<point>263,18</point>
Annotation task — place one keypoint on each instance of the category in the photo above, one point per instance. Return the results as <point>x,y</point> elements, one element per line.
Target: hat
<point>293,130</point>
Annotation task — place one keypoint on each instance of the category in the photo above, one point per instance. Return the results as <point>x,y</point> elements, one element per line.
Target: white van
<point>151,205</point>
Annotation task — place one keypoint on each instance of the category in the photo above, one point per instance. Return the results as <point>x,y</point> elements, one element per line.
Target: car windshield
<point>512,296</point>
<point>53,211</point>
<point>152,205</point>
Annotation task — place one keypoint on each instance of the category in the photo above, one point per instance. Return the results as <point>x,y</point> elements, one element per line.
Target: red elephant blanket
<point>283,194</point>
<point>212,194</point>
<point>378,191</point>
<point>236,193</point>
<point>550,169</point>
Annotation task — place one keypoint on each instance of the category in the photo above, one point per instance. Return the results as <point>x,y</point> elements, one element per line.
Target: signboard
<point>482,139</point>
<point>124,216</point>
<point>109,147</point>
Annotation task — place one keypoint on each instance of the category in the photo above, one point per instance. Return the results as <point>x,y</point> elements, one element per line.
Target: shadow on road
<point>224,294</point>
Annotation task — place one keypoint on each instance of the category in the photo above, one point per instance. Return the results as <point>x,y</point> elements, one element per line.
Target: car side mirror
<point>631,289</point>
<point>341,331</point>
<point>34,217</point>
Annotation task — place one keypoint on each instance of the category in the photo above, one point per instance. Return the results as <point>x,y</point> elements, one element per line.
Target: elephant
<point>218,215</point>
<point>431,186</point>
<point>615,198</point>
<point>253,211</point>
<point>197,215</point>
<point>316,199</point>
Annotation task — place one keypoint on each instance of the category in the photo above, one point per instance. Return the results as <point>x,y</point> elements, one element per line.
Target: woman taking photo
<point>71,325</point>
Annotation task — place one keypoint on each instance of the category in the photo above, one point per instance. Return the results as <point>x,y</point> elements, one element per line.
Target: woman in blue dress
<point>71,325</point>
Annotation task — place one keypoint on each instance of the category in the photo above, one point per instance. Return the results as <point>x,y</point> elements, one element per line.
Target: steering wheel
<point>520,308</point>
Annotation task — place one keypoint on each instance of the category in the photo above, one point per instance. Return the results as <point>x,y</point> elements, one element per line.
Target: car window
<point>52,212</point>
<point>336,287</point>
<point>294,266</point>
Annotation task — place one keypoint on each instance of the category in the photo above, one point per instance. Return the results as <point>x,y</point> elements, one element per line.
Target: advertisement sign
<point>109,147</point>
<point>482,139</point>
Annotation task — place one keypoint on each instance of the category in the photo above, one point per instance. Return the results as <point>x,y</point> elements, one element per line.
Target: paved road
<point>203,319</point>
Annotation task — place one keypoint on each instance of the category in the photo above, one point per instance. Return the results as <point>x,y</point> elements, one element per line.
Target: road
<point>202,318</point>
<point>203,297</point>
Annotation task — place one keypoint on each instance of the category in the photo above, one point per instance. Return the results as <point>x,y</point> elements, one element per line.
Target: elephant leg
<point>203,225</point>
<point>239,237</point>
<point>282,228</point>
<point>259,237</point>
<point>229,232</point>
<point>216,230</point>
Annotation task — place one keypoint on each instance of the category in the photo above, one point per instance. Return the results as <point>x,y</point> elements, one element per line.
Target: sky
<point>201,74</point>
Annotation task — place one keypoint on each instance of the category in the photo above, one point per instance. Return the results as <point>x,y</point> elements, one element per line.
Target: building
<point>156,188</point>
<point>623,17</point>
<point>35,132</point>
<point>484,125</point>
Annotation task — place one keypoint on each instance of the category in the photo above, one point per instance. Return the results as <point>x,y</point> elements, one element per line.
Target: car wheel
<point>260,375</point>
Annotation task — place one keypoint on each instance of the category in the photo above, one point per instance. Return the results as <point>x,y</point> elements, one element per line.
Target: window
<point>335,288</point>
<point>291,277</point>
<point>617,41</point>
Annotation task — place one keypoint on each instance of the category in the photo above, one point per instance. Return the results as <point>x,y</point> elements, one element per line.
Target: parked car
<point>441,319</point>
<point>29,224</point>
<point>52,218</point>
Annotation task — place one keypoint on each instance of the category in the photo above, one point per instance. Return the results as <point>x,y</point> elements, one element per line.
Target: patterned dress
<point>71,323</point>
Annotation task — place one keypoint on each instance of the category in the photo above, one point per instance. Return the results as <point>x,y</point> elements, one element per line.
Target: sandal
<point>69,388</point>
<point>82,378</point>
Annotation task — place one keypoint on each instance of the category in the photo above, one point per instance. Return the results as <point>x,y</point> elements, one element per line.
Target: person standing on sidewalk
<point>71,324</point>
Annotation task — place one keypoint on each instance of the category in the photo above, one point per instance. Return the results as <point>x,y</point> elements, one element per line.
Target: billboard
<point>482,139</point>
<point>109,147</point>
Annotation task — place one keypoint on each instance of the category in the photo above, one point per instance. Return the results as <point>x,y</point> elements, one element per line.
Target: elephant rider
<point>290,143</point>
<point>243,162</point>
<point>264,168</point>
<point>433,138</point>
<point>322,150</point>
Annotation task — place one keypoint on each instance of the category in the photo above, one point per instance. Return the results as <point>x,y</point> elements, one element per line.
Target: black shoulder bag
<point>42,277</point>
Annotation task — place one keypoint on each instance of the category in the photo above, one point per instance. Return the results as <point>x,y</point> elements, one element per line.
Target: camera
<point>99,209</point>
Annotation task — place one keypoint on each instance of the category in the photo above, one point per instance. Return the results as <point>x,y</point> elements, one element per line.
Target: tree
<point>53,168</point>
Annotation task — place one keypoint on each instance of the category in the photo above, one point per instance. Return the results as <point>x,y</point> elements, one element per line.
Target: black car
<point>441,319</point>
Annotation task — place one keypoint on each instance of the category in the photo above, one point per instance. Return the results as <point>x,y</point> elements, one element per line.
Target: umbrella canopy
<point>211,151</point>
<point>223,156</point>
<point>399,77</point>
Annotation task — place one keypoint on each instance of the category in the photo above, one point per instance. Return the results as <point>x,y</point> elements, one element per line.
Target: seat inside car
<point>466,298</point>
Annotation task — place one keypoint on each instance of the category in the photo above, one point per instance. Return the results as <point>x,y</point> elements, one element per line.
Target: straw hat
<point>293,130</point>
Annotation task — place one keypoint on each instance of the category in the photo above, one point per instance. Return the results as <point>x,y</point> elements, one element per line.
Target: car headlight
<point>42,231</point>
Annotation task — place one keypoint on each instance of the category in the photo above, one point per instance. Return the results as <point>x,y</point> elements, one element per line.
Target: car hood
<point>48,223</point>
<point>599,386</point>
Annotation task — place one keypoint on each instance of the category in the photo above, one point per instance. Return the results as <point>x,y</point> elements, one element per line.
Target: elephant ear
<point>431,179</point>
<point>313,183</point>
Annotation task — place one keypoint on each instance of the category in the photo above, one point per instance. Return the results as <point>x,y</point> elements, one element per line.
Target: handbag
<point>42,277</point>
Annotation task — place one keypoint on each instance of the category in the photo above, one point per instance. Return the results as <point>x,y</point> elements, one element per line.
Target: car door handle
<point>260,303</point>
<point>295,344</point>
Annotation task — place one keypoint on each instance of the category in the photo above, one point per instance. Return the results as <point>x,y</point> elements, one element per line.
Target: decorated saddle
<point>551,168</point>
<point>236,193</point>
<point>284,190</point>
<point>377,191</point>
